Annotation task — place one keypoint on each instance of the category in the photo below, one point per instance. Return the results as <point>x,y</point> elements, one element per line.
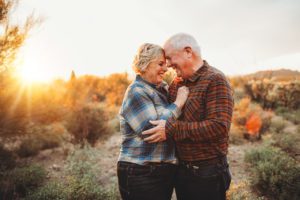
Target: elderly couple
<point>177,136</point>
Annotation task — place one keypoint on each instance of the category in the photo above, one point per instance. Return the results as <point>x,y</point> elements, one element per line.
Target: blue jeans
<point>202,182</point>
<point>143,182</point>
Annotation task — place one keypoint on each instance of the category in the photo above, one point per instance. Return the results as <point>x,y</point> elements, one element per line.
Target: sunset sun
<point>30,73</point>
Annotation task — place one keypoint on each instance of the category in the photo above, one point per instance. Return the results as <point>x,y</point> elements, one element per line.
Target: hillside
<point>281,74</point>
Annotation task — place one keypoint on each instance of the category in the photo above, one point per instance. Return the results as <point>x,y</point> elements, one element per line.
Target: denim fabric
<point>143,182</point>
<point>208,183</point>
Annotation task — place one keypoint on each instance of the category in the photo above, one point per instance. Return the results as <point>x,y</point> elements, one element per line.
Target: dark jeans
<point>143,182</point>
<point>207,183</point>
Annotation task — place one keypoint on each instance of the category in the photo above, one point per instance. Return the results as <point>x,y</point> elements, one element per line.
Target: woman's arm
<point>138,109</point>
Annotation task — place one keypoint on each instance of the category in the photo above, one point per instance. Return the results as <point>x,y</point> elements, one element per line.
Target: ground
<point>54,160</point>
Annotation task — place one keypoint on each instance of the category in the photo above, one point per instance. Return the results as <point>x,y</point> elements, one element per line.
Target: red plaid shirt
<point>202,130</point>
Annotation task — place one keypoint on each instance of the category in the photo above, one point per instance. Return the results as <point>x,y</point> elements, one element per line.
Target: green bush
<point>277,124</point>
<point>266,118</point>
<point>51,191</point>
<point>29,147</point>
<point>33,144</point>
<point>86,188</point>
<point>19,181</point>
<point>89,123</point>
<point>272,94</point>
<point>274,172</point>
<point>241,191</point>
<point>75,189</point>
<point>288,142</point>
<point>39,138</point>
<point>83,161</point>
<point>82,169</point>
<point>238,94</point>
<point>80,182</point>
<point>290,115</point>
<point>236,135</point>
<point>7,159</point>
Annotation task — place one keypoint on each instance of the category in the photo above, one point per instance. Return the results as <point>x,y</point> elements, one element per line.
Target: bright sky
<point>101,37</point>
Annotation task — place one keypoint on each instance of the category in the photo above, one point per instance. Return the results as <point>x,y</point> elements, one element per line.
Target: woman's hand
<point>182,95</point>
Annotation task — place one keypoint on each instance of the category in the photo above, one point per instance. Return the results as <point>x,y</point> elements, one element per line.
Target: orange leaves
<point>253,124</point>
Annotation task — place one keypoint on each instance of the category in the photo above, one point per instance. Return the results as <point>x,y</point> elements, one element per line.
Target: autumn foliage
<point>253,124</point>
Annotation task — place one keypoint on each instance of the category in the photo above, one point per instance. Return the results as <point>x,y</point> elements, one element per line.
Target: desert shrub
<point>251,118</point>
<point>272,94</point>
<point>73,189</point>
<point>39,138</point>
<point>277,124</point>
<point>274,172</point>
<point>290,115</point>
<point>83,160</point>
<point>7,159</point>
<point>114,124</point>
<point>88,123</point>
<point>266,117</point>
<point>29,147</point>
<point>238,81</point>
<point>80,182</point>
<point>53,190</point>
<point>241,192</point>
<point>238,94</point>
<point>82,170</point>
<point>288,142</point>
<point>241,112</point>
<point>236,135</point>
<point>19,181</point>
<point>85,188</point>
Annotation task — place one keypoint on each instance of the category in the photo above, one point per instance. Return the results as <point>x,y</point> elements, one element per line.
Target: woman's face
<point>155,71</point>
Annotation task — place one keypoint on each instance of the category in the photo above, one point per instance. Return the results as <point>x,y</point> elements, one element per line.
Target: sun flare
<point>30,74</point>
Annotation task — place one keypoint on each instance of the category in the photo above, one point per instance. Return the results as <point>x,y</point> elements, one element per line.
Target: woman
<point>146,170</point>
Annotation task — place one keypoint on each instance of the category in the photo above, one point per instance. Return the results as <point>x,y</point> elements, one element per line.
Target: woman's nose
<point>165,68</point>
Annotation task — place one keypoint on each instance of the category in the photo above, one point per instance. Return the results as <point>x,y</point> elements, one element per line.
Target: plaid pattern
<point>202,130</point>
<point>143,102</point>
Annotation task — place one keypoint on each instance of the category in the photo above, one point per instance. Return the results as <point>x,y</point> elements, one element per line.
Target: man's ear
<point>188,51</point>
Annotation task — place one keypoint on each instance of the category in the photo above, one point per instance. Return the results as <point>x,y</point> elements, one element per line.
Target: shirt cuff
<point>176,111</point>
<point>170,126</point>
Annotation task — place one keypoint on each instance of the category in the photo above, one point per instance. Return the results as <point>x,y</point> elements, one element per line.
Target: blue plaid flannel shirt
<point>144,102</point>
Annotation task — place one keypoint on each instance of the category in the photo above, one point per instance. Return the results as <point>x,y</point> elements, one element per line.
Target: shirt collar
<point>162,85</point>
<point>199,72</point>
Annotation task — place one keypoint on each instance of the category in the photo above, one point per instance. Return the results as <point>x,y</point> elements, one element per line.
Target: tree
<point>11,40</point>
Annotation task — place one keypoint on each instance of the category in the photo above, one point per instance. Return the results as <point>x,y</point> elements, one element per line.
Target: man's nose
<point>169,65</point>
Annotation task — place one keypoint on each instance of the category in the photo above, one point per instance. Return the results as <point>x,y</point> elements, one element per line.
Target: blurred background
<point>65,66</point>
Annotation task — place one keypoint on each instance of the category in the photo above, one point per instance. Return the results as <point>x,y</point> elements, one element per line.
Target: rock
<point>56,167</point>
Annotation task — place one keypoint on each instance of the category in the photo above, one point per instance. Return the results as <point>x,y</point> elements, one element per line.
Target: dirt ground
<point>54,160</point>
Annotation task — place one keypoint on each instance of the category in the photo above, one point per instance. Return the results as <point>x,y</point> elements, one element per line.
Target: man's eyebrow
<point>167,57</point>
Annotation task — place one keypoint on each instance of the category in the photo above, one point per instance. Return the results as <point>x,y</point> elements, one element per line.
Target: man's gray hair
<point>182,40</point>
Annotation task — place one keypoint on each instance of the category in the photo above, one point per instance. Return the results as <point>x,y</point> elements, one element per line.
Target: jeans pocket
<point>226,176</point>
<point>140,171</point>
<point>209,172</point>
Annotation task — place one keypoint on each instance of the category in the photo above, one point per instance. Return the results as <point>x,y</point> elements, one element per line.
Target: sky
<point>101,37</point>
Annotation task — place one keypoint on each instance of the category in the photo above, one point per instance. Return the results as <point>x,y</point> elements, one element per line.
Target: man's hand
<point>156,134</point>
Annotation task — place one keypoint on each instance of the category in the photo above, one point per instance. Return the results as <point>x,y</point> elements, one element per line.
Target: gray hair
<point>146,53</point>
<point>182,40</point>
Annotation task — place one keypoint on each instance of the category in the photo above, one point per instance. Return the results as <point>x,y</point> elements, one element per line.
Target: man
<point>201,133</point>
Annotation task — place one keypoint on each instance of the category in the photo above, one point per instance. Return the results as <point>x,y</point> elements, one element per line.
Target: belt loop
<point>128,169</point>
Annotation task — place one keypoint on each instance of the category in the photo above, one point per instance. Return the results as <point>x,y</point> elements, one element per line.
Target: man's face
<point>177,60</point>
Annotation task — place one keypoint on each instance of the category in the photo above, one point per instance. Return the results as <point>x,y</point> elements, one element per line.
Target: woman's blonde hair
<point>146,53</point>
